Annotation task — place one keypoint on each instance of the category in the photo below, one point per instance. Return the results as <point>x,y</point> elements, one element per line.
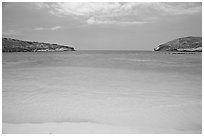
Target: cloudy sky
<point>102,26</point>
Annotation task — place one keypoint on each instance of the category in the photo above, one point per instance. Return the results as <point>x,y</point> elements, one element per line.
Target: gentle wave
<point>103,89</point>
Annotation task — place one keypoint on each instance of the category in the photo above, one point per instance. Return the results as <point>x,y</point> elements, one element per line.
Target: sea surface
<point>138,91</point>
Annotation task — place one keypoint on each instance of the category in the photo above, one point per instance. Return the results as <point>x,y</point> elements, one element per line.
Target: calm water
<point>138,90</point>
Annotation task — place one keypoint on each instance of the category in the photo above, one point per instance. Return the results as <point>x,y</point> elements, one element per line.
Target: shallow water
<point>137,90</point>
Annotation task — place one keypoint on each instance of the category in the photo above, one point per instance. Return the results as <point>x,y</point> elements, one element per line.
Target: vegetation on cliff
<point>185,44</point>
<point>14,45</point>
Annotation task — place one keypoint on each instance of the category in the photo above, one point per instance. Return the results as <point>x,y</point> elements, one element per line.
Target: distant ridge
<point>185,44</point>
<point>14,45</point>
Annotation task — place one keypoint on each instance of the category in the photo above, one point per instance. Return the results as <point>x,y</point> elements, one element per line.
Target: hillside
<point>185,44</point>
<point>14,45</point>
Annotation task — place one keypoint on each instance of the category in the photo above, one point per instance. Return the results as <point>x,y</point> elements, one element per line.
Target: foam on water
<point>96,88</point>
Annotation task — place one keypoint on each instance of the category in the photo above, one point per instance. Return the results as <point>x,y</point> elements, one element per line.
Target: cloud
<point>187,8</point>
<point>93,20</point>
<point>44,28</point>
<point>39,28</point>
<point>120,13</point>
<point>55,28</point>
<point>11,32</point>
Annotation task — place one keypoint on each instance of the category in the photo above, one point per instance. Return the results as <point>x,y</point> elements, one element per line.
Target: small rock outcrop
<point>14,45</point>
<point>185,44</point>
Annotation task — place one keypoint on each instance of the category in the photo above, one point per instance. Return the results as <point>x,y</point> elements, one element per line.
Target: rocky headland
<point>14,45</point>
<point>185,44</point>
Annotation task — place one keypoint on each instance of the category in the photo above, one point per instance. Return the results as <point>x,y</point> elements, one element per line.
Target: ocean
<point>101,92</point>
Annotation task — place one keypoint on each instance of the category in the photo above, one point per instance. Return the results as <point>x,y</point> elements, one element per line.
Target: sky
<point>102,26</point>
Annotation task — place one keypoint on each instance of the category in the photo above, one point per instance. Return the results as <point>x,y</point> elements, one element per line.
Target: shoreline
<point>86,128</point>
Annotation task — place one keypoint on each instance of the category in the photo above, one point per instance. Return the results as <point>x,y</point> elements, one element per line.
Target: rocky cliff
<point>14,45</point>
<point>185,44</point>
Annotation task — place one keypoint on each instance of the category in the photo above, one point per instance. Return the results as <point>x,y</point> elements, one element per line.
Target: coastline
<point>86,128</point>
